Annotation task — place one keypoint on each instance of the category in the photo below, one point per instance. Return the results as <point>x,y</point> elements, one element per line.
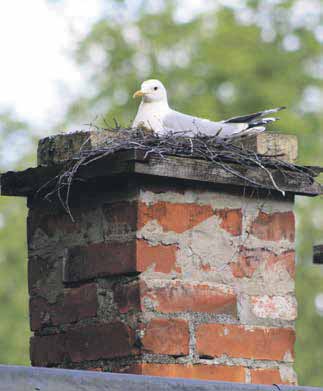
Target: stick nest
<point>220,152</point>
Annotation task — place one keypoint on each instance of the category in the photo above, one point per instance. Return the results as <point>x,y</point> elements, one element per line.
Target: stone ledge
<point>280,146</point>
<point>62,147</point>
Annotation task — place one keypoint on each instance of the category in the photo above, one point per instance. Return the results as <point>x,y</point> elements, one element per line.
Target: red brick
<point>231,220</point>
<point>99,260</point>
<point>177,296</point>
<point>215,340</point>
<point>274,227</point>
<point>175,217</point>
<point>285,260</point>
<point>267,376</point>
<point>127,296</point>
<point>90,342</point>
<point>75,304</point>
<point>161,257</point>
<point>166,336</point>
<point>202,372</point>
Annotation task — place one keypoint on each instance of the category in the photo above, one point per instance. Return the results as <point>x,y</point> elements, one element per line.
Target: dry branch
<point>211,149</point>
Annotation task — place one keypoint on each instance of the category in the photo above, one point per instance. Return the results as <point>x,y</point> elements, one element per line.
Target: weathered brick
<point>120,218</point>
<point>127,296</point>
<point>75,304</point>
<point>99,260</point>
<point>267,376</point>
<point>161,257</point>
<point>45,276</point>
<point>175,217</point>
<point>274,227</point>
<point>286,260</point>
<point>178,296</point>
<point>47,229</point>
<point>85,344</point>
<point>274,307</point>
<point>39,270</point>
<point>205,267</point>
<point>231,220</point>
<point>215,340</point>
<point>47,350</point>
<point>53,224</point>
<point>166,336</point>
<point>40,219</point>
<point>104,259</point>
<point>248,261</point>
<point>202,372</point>
<point>105,341</point>
<point>90,342</point>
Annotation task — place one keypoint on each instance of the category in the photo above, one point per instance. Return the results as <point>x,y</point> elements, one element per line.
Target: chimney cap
<point>134,163</point>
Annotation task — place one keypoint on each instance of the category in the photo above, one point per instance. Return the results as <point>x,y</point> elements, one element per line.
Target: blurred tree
<point>218,61</point>
<point>14,325</point>
<point>309,352</point>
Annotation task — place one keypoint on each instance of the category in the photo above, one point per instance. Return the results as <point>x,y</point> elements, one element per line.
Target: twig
<point>221,153</point>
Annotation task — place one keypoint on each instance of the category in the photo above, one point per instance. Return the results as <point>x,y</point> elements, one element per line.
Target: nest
<point>219,152</point>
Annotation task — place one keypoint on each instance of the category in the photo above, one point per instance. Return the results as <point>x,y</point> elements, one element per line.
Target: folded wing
<point>233,127</point>
<point>189,125</point>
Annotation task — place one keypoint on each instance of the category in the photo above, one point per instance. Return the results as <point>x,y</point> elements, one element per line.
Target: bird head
<point>152,91</point>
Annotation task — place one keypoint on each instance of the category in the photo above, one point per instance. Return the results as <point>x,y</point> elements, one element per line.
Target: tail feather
<point>251,117</point>
<point>262,121</point>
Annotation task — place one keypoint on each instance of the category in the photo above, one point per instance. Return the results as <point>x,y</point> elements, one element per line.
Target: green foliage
<point>14,325</point>
<point>221,62</point>
<point>309,351</point>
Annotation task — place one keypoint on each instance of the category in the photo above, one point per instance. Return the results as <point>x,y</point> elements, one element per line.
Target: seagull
<point>155,114</point>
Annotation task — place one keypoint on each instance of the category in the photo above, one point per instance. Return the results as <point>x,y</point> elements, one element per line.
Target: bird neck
<point>161,105</point>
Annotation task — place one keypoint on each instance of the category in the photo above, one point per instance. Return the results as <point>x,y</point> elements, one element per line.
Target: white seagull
<point>155,114</point>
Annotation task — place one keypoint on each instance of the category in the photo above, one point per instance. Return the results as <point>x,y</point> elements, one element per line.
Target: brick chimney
<point>171,267</point>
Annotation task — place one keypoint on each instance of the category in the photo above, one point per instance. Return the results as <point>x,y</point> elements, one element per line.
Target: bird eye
<point>155,88</point>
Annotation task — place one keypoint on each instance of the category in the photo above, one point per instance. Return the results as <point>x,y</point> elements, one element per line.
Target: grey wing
<point>189,125</point>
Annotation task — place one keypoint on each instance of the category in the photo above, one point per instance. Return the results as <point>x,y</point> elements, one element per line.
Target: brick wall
<point>165,280</point>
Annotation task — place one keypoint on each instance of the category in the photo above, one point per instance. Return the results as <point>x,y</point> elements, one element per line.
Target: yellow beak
<point>137,94</point>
